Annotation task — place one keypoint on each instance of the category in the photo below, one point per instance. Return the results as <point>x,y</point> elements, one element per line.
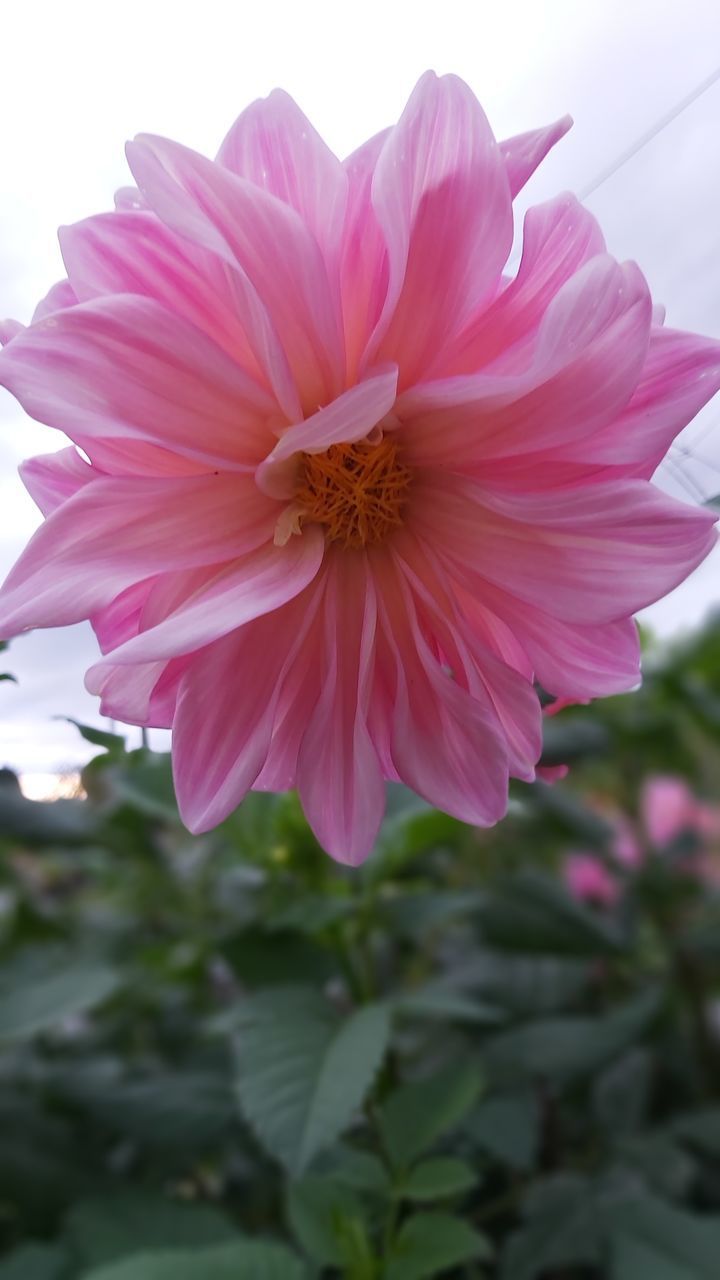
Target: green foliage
<point>304,1071</point>
<point>226,1056</point>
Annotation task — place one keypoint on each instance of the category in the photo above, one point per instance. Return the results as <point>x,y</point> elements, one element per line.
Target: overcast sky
<point>79,78</point>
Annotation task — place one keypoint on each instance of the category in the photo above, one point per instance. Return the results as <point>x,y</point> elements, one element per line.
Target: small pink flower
<point>345,489</point>
<point>588,880</point>
<point>669,809</point>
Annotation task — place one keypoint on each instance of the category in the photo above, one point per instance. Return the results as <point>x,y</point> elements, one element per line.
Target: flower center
<point>356,491</point>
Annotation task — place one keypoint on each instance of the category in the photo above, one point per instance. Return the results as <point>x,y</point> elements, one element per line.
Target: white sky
<point>80,77</point>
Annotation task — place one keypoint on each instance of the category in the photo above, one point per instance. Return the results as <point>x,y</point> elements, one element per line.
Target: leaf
<point>99,1229</point>
<point>700,1129</point>
<point>443,1004</point>
<point>621,1093</point>
<point>304,1071</point>
<point>525,984</point>
<point>685,1239</point>
<point>321,1214</point>
<point>567,740</point>
<point>112,742</point>
<point>438,1178</point>
<point>164,1112</point>
<point>35,1262</point>
<point>633,1260</point>
<point>570,1046</point>
<point>533,912</point>
<point>429,1244</point>
<point>417,1114</point>
<point>43,987</point>
<point>360,1170</point>
<point>563,1228</point>
<point>38,823</point>
<point>249,1260</point>
<point>508,1126</point>
<point>414,914</point>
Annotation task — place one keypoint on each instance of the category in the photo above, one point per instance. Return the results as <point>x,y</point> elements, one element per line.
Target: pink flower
<point>588,880</point>
<point>345,490</point>
<point>669,809</point>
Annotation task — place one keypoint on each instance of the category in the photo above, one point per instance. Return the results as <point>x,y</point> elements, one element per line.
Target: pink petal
<point>52,478</point>
<point>441,196</point>
<point>127,198</point>
<point>136,253</point>
<point>523,153</point>
<point>350,417</point>
<point>115,531</point>
<point>126,367</point>
<point>220,743</point>
<point>445,744</point>
<point>124,457</point>
<point>364,257</point>
<point>472,656</point>
<point>590,350</point>
<point>572,661</point>
<point>680,374</point>
<point>9,329</point>
<point>120,619</point>
<point>251,586</point>
<point>339,777</point>
<point>559,238</point>
<point>267,246</point>
<point>274,145</point>
<point>592,554</point>
<point>60,296</point>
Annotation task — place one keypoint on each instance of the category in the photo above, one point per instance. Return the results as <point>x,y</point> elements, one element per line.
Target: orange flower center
<point>356,491</point>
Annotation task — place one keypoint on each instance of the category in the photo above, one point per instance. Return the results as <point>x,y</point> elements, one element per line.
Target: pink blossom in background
<point>669,809</point>
<point>588,879</point>
<point>345,489</point>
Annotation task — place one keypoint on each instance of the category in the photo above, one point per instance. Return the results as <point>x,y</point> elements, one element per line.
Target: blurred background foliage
<point>227,1057</point>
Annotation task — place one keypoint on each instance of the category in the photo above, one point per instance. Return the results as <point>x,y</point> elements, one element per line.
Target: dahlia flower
<point>340,490</point>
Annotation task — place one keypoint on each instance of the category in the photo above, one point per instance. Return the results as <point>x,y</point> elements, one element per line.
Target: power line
<point>653,132</point>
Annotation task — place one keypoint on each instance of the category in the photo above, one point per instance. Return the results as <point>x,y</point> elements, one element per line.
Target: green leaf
<point>99,1229</point>
<point>533,912</point>
<point>322,1214</point>
<point>304,1071</point>
<point>700,1129</point>
<point>508,1126</point>
<point>429,1244</point>
<point>563,1229</point>
<point>249,1260</point>
<point>572,1046</point>
<point>164,1112</point>
<point>112,742</point>
<point>37,823</point>
<point>437,1178</point>
<point>360,1170</point>
<point>417,1114</point>
<point>684,1239</point>
<point>621,1093</point>
<point>35,1262</point>
<point>633,1260</point>
<point>567,740</point>
<point>443,1004</point>
<point>42,987</point>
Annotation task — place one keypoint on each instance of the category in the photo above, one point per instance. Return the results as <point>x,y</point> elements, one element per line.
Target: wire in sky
<point>653,132</point>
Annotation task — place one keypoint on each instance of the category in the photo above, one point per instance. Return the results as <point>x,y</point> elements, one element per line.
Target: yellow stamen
<point>356,491</point>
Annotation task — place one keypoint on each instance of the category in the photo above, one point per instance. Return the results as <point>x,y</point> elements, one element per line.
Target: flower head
<point>344,490</point>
